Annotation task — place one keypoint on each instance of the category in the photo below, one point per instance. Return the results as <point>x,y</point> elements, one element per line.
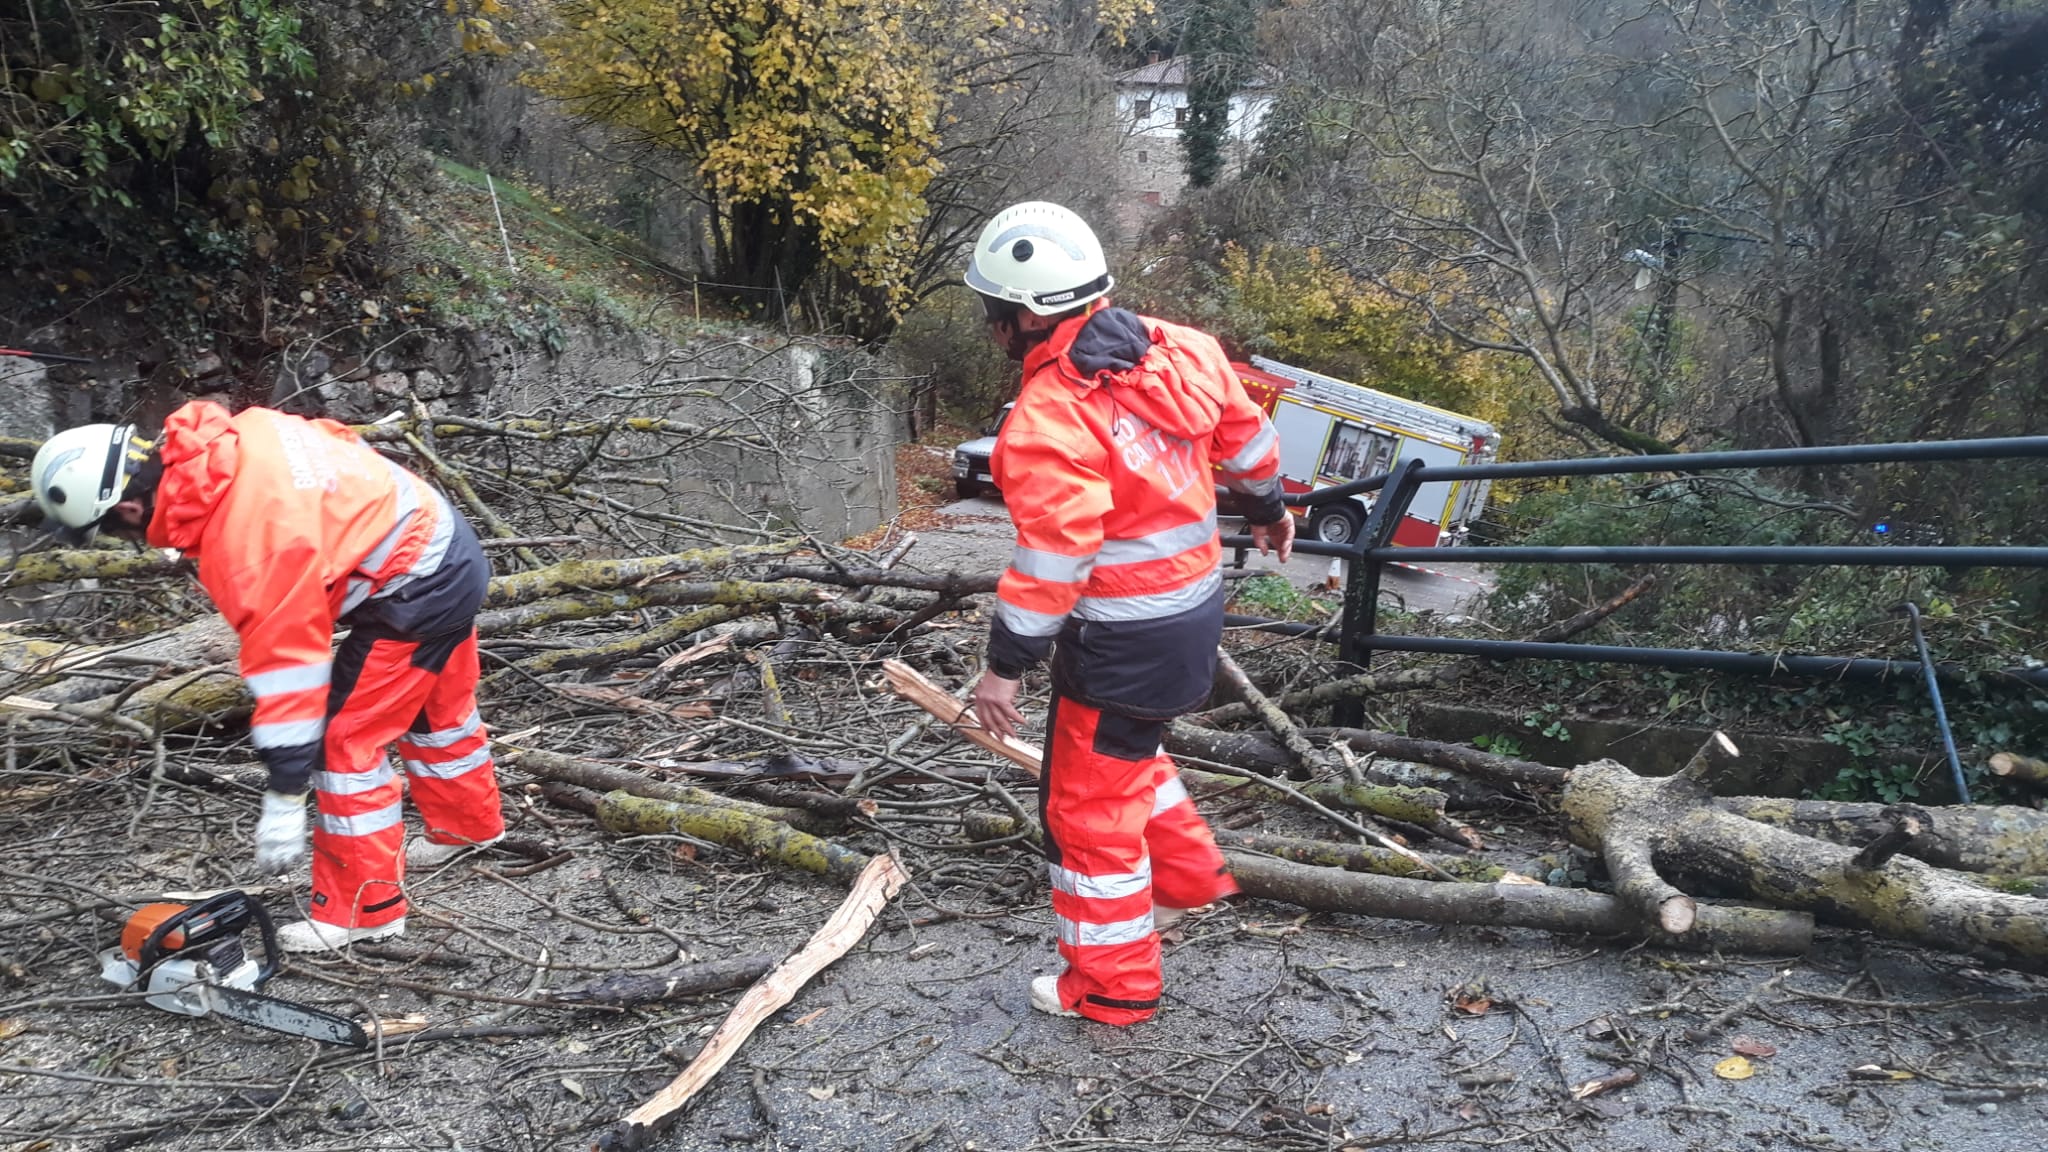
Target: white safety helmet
<point>1039,255</point>
<point>80,473</point>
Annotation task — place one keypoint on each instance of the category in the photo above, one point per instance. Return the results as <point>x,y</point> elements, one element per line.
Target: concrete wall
<point>830,413</point>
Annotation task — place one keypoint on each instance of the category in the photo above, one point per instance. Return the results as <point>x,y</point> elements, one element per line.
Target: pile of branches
<point>797,702</point>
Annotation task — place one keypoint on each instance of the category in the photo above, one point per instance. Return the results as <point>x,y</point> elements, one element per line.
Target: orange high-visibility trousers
<point>1121,833</point>
<point>421,694</point>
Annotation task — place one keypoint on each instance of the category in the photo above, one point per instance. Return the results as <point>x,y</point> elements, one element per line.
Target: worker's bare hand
<point>995,705</point>
<point>1277,537</point>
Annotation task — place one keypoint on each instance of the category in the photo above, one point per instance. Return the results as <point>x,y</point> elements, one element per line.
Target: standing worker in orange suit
<point>1108,464</point>
<point>296,525</point>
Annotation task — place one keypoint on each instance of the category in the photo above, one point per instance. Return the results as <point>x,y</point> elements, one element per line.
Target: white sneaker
<point>313,936</point>
<point>424,853</point>
<point>1045,996</point>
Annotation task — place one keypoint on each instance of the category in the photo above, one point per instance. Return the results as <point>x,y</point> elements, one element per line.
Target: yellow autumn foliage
<point>814,122</point>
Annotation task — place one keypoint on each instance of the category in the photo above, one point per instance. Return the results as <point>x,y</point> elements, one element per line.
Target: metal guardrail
<point>1372,549</point>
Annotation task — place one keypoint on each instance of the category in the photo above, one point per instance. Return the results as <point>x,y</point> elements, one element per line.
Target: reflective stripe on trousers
<point>1120,832</point>
<point>381,696</point>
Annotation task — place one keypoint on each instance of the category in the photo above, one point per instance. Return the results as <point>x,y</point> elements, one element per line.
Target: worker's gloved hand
<point>281,833</point>
<point>995,705</point>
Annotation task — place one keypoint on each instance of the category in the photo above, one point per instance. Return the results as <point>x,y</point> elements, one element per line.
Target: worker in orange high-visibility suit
<point>296,525</point>
<point>1108,464</point>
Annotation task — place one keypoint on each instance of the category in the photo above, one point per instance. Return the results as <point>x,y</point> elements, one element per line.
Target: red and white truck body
<point>1332,432</point>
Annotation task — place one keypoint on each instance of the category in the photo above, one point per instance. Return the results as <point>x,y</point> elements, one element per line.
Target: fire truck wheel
<point>1335,523</point>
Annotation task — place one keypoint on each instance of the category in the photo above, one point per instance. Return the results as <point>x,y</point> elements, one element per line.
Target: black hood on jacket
<point>1113,340</point>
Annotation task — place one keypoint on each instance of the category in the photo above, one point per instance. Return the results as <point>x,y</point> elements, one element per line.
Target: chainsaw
<point>190,959</point>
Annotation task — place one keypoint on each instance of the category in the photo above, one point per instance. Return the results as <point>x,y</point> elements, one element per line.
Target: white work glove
<point>281,833</point>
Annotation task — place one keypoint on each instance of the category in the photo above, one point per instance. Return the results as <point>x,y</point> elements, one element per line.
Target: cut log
<point>873,888</point>
<point>2000,840</point>
<point>1564,910</point>
<point>625,989</point>
<point>628,815</point>
<point>1263,753</point>
<point>2025,769</point>
<point>1710,849</point>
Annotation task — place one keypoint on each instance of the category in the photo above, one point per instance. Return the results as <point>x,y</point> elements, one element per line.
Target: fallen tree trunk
<point>1263,753</point>
<point>1687,839</point>
<point>603,575</point>
<point>1362,858</point>
<point>626,989</point>
<point>1564,910</point>
<point>1999,840</point>
<point>625,814</point>
<point>599,777</point>
<point>585,605</point>
<point>1413,805</point>
<point>92,564</point>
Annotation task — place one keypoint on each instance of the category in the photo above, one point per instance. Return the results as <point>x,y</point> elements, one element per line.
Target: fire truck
<point>1333,431</point>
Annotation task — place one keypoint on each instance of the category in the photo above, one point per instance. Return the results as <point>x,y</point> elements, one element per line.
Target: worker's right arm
<point>1058,493</point>
<point>278,605</point>
<point>1246,452</point>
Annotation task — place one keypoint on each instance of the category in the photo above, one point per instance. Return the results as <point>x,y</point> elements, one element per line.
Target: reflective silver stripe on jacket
<point>1025,622</point>
<point>1170,793</point>
<point>432,555</point>
<point>1159,545</point>
<point>1264,487</point>
<point>1254,449</point>
<point>1084,935</point>
<point>1050,565</point>
<point>1153,605</point>
<point>287,733</point>
<point>352,783</point>
<point>364,825</point>
<point>297,678</point>
<point>443,737</point>
<point>1114,886</point>
<point>450,769</point>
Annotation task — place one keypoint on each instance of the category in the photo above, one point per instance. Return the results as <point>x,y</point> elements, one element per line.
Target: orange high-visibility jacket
<point>1108,464</point>
<point>294,523</point>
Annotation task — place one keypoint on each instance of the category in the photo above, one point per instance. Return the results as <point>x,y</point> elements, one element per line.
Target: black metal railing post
<point>1362,586</point>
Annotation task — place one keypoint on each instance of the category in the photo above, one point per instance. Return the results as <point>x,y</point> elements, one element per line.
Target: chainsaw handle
<point>214,918</point>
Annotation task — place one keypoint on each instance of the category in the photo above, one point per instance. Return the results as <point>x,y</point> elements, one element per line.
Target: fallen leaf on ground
<point>822,1094</point>
<point>11,1027</point>
<point>1750,1046</point>
<point>1878,1072</point>
<point>575,1088</point>
<point>1735,1068</point>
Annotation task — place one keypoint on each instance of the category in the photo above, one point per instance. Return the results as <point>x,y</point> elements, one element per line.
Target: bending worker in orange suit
<point>1108,463</point>
<point>297,525</point>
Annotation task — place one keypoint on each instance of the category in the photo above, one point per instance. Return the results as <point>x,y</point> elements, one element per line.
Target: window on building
<point>1180,116</point>
<point>1144,157</point>
<point>1142,109</point>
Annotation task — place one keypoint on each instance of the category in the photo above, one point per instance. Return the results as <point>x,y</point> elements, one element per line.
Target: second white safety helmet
<point>1041,256</point>
<point>80,473</point>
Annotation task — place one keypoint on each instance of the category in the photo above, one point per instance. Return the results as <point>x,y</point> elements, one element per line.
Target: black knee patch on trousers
<point>1128,737</point>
